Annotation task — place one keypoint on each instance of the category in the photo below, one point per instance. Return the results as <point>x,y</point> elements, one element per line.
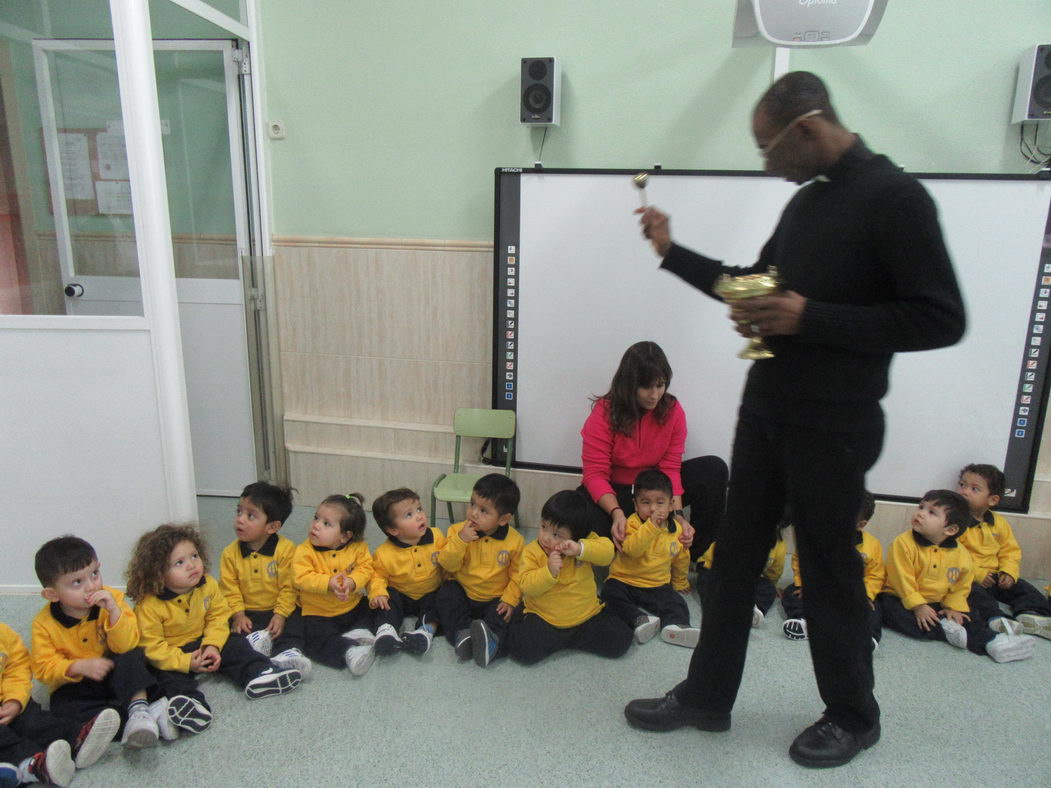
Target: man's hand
<point>380,602</point>
<point>925,617</point>
<point>276,626</point>
<point>9,710</point>
<point>96,668</point>
<point>780,314</point>
<point>505,611</point>
<point>240,624</point>
<point>655,227</point>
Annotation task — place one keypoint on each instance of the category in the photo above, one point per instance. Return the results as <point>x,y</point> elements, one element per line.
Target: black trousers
<point>239,661</point>
<point>82,700</point>
<point>821,475</point>
<point>425,609</point>
<point>291,637</point>
<point>531,639</point>
<point>704,491</point>
<point>324,634</point>
<point>765,591</point>
<point>1022,597</point>
<point>32,731</point>
<point>628,603</point>
<point>901,620</point>
<point>792,603</point>
<point>456,610</point>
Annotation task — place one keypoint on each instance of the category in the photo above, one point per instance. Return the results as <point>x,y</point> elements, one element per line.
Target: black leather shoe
<point>668,714</point>
<point>825,744</point>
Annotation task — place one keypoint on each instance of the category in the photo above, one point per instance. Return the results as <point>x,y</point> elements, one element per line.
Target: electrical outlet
<point>275,129</point>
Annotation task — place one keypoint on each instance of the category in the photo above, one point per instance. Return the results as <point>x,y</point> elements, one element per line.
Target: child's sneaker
<point>483,643</point>
<point>9,776</point>
<point>295,659</point>
<point>140,731</point>
<point>955,634</point>
<point>260,641</point>
<point>273,681</point>
<point>757,617</point>
<point>165,727</point>
<point>681,636</point>
<point>462,645</point>
<point>359,658</point>
<point>53,767</point>
<point>1033,624</point>
<point>188,713</point>
<point>646,628</point>
<point>1010,648</point>
<point>387,640</point>
<point>94,737</point>
<point>795,629</point>
<point>360,637</point>
<point>418,641</point>
<point>1005,625</point>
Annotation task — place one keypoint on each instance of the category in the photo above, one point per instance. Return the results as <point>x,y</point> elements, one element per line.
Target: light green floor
<point>949,719</point>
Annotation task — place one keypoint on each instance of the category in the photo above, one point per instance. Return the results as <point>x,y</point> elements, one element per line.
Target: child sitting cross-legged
<point>929,578</point>
<point>561,608</point>
<point>405,573</point>
<point>647,579</point>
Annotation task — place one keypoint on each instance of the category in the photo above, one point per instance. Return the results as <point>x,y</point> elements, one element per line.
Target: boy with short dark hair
<point>929,578</point>
<point>871,551</point>
<point>256,579</point>
<point>647,578</point>
<point>558,587</point>
<point>997,559</point>
<point>482,555</point>
<point>85,645</point>
<point>405,573</point>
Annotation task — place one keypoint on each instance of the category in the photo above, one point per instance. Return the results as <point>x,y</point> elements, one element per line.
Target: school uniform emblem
<point>953,574</point>
<point>434,558</point>
<point>271,569</point>
<point>503,558</point>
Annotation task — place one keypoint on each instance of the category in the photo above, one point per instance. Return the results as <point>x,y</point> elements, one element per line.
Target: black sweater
<point>862,243</point>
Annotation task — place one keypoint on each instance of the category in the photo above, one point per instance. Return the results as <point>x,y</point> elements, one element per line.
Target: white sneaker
<point>1033,624</point>
<point>795,629</point>
<point>1005,625</point>
<point>294,658</point>
<point>260,641</point>
<point>140,731</point>
<point>360,636</point>
<point>1010,648</point>
<point>681,636</point>
<point>646,627</point>
<point>94,737</point>
<point>54,766</point>
<point>273,681</point>
<point>387,640</point>
<point>757,617</point>
<point>955,634</point>
<point>165,727</point>
<point>359,658</point>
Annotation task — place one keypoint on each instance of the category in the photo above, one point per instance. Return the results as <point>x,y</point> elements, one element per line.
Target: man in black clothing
<point>864,274</point>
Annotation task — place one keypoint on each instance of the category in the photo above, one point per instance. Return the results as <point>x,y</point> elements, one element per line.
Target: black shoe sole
<point>188,714</point>
<point>276,683</point>
<point>712,725</point>
<point>387,645</point>
<point>480,639</point>
<point>824,763</point>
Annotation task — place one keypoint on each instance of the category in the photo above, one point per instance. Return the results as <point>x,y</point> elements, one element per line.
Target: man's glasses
<point>764,150</point>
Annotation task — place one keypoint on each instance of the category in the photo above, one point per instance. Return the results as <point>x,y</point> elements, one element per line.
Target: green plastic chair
<point>472,423</point>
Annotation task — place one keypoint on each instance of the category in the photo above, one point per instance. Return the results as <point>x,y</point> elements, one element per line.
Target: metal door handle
<point>73,290</point>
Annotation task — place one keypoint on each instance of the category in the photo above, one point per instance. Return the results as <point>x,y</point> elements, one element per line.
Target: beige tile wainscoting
<point>382,339</point>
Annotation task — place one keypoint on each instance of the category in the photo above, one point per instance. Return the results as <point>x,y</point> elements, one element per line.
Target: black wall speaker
<point>541,93</point>
<point>1033,91</point>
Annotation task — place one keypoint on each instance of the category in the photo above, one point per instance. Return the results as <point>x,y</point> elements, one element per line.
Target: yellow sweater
<point>993,547</point>
<point>487,568</point>
<point>169,621</point>
<point>16,677</point>
<point>261,579</point>
<point>60,640</point>
<point>411,569</point>
<point>312,568</point>
<point>919,572</point>
<point>571,598</point>
<point>871,553</point>
<point>651,556</point>
<point>775,560</point>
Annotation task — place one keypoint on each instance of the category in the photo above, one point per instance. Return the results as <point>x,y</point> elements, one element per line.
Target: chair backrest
<point>484,423</point>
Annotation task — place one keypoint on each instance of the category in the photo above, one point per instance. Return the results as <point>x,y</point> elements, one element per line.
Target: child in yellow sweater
<point>561,608</point>
<point>184,630</point>
<point>647,579</point>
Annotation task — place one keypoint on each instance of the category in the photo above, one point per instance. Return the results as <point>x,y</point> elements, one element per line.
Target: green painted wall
<point>398,111</point>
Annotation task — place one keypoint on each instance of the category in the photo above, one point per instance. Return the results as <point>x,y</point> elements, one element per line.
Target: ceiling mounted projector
<point>807,23</point>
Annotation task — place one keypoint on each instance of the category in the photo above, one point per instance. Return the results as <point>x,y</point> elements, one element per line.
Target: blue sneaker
<point>483,643</point>
<point>8,776</point>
